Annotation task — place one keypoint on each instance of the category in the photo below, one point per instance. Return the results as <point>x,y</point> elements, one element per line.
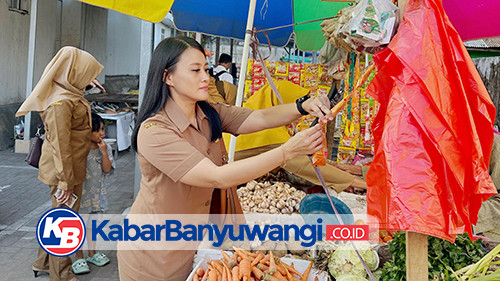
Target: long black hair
<point>96,122</point>
<point>166,56</point>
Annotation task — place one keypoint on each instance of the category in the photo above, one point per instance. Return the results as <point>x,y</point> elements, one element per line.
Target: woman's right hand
<point>304,143</point>
<point>64,196</point>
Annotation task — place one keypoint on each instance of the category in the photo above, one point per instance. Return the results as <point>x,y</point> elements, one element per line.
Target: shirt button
<point>207,203</point>
<point>208,151</point>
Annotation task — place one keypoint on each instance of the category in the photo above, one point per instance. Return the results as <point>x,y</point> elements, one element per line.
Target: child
<point>100,164</point>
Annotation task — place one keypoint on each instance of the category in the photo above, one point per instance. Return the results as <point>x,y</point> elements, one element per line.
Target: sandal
<point>80,267</point>
<point>98,259</point>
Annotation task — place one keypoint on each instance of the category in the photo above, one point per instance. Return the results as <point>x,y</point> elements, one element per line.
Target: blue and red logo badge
<point>60,232</point>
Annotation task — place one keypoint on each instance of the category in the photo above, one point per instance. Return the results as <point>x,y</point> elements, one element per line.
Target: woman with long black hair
<point>181,152</point>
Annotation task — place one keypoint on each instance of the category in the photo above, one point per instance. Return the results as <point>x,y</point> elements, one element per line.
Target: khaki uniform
<point>214,92</point>
<point>168,147</point>
<point>63,165</point>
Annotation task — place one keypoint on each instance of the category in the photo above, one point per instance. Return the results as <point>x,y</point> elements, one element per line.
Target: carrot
<point>272,263</point>
<point>245,269</point>
<point>200,272</point>
<point>289,276</point>
<point>224,275</point>
<point>235,273</point>
<point>215,264</point>
<point>196,277</point>
<point>259,257</point>
<point>226,256</point>
<point>316,278</point>
<point>247,253</point>
<point>281,269</point>
<point>262,267</point>
<point>365,75</point>
<point>305,275</point>
<point>338,107</point>
<point>241,253</point>
<point>228,271</point>
<point>205,276</point>
<point>279,276</point>
<point>292,269</point>
<point>219,276</point>
<point>235,259</point>
<point>250,254</point>
<point>212,275</point>
<point>258,273</point>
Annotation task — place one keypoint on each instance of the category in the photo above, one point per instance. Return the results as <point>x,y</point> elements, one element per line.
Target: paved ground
<point>23,199</point>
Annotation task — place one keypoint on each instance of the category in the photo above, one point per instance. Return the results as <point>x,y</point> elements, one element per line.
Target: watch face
<point>303,98</point>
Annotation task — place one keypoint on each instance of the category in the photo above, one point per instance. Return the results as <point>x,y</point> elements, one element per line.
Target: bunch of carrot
<point>247,266</point>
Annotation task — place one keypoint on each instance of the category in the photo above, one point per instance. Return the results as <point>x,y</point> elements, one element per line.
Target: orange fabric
<point>433,130</point>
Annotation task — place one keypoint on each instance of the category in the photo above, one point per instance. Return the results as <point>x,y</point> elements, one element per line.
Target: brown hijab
<point>65,77</point>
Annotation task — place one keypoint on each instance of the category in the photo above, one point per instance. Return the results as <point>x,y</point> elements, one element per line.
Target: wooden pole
<point>417,264</point>
<point>417,260</point>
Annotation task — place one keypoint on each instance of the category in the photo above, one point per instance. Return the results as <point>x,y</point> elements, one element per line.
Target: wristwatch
<point>299,103</point>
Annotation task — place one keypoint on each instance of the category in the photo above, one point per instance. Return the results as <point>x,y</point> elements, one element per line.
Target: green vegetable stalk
<point>445,258</point>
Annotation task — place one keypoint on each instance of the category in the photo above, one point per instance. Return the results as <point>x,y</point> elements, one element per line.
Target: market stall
<point>397,131</point>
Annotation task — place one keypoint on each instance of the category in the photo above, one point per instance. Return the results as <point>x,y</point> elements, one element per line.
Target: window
<point>17,6</point>
<point>162,36</point>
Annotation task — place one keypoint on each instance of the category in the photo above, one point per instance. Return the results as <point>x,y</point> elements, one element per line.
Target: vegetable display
<point>345,261</point>
<point>272,198</point>
<point>246,266</point>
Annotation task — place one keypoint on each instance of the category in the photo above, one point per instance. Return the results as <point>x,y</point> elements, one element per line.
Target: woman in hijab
<point>58,97</point>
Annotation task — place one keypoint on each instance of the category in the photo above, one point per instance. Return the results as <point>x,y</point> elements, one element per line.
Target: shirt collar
<point>178,117</point>
<point>220,68</point>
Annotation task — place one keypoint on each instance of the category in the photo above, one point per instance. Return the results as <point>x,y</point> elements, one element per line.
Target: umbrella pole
<point>243,71</point>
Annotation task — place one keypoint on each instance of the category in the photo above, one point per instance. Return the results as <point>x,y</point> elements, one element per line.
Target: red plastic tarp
<point>433,132</point>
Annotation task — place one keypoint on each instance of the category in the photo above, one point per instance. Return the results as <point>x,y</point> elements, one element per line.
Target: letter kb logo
<point>60,232</point>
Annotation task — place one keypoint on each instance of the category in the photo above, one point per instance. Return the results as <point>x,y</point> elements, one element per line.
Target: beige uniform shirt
<point>228,89</point>
<point>67,143</point>
<point>168,147</point>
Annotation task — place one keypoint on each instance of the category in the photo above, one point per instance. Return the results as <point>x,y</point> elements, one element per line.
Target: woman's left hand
<point>319,107</point>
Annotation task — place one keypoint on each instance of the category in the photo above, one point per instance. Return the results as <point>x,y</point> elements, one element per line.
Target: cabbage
<point>345,260</point>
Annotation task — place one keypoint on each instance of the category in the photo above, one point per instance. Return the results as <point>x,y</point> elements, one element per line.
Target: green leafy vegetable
<point>444,257</point>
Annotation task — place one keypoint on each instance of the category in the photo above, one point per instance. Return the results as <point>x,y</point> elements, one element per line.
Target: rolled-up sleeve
<point>232,117</point>
<point>167,151</point>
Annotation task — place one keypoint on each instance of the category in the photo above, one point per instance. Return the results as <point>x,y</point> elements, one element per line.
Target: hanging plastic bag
<point>372,24</point>
<point>335,61</point>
